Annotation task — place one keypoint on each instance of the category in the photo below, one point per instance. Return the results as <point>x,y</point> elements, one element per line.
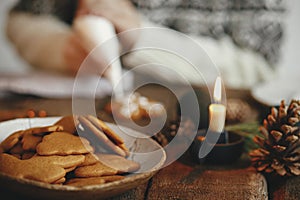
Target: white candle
<point>217,111</point>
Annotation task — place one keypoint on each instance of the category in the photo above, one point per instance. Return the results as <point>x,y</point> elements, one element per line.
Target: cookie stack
<point>58,155</point>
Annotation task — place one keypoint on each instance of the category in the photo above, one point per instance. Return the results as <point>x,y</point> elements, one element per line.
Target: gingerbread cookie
<point>60,181</point>
<point>108,131</point>
<point>97,169</point>
<point>121,164</point>
<point>30,141</point>
<point>101,136</point>
<point>43,130</point>
<point>11,141</point>
<point>62,161</point>
<point>112,178</point>
<point>68,123</point>
<point>70,169</point>
<point>62,143</point>
<point>90,159</point>
<point>39,171</point>
<point>81,182</point>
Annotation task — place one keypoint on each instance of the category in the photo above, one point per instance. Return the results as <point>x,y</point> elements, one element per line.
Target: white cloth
<point>240,68</point>
<point>53,85</point>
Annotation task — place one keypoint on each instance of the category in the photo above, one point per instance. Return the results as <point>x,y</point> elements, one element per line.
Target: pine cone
<point>279,150</point>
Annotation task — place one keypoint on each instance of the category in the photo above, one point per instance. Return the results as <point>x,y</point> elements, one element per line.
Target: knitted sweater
<point>252,24</point>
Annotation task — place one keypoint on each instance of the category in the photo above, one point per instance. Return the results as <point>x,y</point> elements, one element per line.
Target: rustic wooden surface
<point>183,179</point>
<point>186,180</point>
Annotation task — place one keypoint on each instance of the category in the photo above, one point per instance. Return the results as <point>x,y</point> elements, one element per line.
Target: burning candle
<point>217,111</point>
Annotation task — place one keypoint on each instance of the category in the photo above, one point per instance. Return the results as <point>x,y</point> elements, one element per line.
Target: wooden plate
<point>147,152</point>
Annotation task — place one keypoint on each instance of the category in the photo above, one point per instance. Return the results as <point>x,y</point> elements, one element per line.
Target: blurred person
<point>41,30</point>
<point>242,37</point>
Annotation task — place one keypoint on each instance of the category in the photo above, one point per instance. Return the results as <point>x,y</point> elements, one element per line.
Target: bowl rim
<point>239,141</point>
<point>55,187</point>
<point>131,178</point>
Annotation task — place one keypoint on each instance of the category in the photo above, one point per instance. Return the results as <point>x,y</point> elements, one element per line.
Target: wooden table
<point>183,179</point>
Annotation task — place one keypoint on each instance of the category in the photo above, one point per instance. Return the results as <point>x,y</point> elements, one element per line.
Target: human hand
<point>120,13</point>
<point>74,54</point>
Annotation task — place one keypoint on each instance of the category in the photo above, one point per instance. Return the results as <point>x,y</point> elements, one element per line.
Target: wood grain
<point>137,193</point>
<point>180,181</point>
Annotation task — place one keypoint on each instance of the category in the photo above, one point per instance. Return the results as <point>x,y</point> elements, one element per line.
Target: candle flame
<point>218,90</point>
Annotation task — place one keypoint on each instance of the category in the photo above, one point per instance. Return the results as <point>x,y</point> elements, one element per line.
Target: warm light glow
<point>218,90</point>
